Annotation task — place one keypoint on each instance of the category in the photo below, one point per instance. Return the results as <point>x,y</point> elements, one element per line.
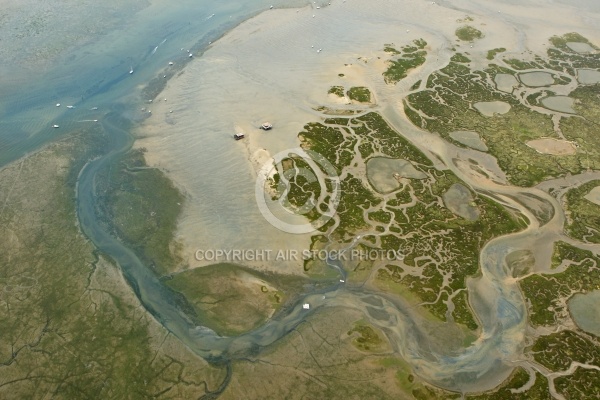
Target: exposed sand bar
<point>552,146</point>
<point>594,195</point>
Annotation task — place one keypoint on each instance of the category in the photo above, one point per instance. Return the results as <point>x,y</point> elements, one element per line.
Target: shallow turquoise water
<point>96,73</point>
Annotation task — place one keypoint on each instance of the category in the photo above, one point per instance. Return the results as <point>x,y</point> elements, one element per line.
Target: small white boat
<point>94,108</point>
<point>70,106</point>
<point>55,126</point>
<point>57,104</point>
<point>170,62</point>
<point>131,70</point>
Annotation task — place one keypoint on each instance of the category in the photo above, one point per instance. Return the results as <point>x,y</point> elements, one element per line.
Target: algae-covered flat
<point>468,33</point>
<point>359,94</point>
<point>68,311</point>
<point>231,299</point>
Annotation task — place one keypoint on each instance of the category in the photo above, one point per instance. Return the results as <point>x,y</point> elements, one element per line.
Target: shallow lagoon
<point>459,200</point>
<point>588,76</point>
<point>505,82</point>
<point>383,173</point>
<point>489,108</point>
<point>535,79</point>
<point>580,47</point>
<point>585,310</point>
<point>559,103</point>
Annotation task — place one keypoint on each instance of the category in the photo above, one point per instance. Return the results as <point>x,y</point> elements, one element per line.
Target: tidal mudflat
<point>303,90</point>
<point>473,257</point>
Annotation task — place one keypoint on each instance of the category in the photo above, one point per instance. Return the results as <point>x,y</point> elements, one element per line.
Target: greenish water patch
<point>594,195</point>
<point>367,338</point>
<point>520,262</point>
